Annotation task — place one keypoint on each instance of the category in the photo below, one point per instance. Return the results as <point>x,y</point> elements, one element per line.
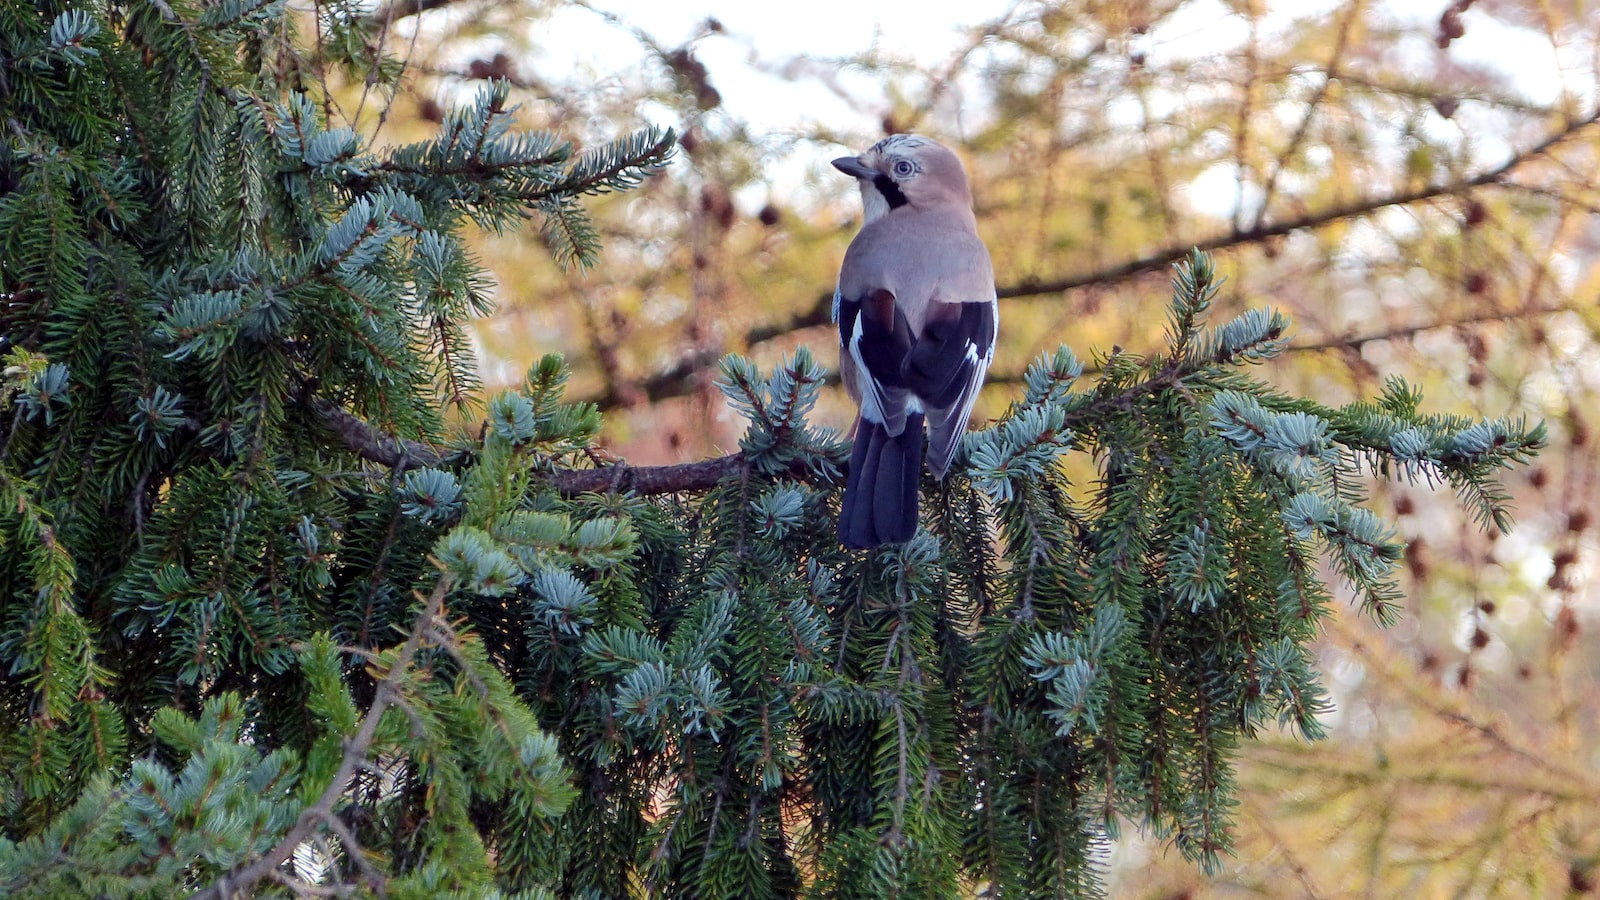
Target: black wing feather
<point>953,351</point>
<point>884,346</point>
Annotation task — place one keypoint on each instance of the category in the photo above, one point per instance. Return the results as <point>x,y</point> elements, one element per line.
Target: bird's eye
<point>904,169</point>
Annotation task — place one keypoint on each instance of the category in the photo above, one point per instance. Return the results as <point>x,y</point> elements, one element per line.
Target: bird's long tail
<point>880,499</point>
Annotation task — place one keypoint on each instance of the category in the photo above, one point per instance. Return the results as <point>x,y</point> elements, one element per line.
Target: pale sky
<point>929,31</point>
<point>773,33</point>
<point>760,38</point>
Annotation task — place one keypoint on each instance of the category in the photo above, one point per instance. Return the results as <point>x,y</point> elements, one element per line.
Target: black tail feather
<point>880,499</point>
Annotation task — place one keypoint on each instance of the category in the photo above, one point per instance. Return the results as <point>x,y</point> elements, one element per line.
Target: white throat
<point>873,206</point>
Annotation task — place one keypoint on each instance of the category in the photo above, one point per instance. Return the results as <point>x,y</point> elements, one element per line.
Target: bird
<point>917,316</point>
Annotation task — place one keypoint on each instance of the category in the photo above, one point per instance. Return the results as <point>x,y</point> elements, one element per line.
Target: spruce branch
<point>320,814</point>
<point>750,709</point>
<point>374,445</point>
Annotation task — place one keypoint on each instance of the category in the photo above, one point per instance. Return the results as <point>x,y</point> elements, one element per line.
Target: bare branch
<point>376,446</point>
<point>372,444</point>
<point>1356,341</point>
<point>1492,315</point>
<point>1164,257</point>
<point>674,382</point>
<point>401,9</point>
<point>352,850</point>
<point>648,481</point>
<point>1313,107</point>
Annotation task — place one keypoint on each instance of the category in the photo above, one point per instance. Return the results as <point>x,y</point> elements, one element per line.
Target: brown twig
<point>646,481</point>
<point>1352,342</point>
<point>1332,73</point>
<point>673,381</point>
<point>1164,257</point>
<point>240,881</point>
<point>401,9</point>
<point>376,446</point>
<point>373,444</point>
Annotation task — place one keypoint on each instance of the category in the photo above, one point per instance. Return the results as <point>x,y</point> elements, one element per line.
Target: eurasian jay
<point>917,322</point>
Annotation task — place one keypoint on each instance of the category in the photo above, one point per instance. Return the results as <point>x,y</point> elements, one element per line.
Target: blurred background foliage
<point>1418,209</point>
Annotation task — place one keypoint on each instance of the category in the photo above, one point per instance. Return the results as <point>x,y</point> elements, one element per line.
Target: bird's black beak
<point>851,165</point>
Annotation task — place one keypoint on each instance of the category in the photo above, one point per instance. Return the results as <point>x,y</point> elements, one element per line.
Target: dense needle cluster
<point>237,655</point>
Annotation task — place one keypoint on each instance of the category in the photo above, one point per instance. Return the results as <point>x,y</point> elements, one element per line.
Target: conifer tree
<point>270,626</point>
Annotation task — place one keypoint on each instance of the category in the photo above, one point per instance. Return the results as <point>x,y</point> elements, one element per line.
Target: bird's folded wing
<point>877,339</point>
<point>946,366</point>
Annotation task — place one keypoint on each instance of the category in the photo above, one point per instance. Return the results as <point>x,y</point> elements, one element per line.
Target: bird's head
<point>907,170</point>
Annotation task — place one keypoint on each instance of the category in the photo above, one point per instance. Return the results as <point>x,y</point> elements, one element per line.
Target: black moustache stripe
<point>890,191</point>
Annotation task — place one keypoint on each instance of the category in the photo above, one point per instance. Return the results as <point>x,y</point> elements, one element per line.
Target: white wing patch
<point>948,429</point>
<point>961,410</point>
<point>872,399</point>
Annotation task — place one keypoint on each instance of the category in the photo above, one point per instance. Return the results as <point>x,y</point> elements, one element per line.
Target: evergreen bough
<point>266,622</point>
